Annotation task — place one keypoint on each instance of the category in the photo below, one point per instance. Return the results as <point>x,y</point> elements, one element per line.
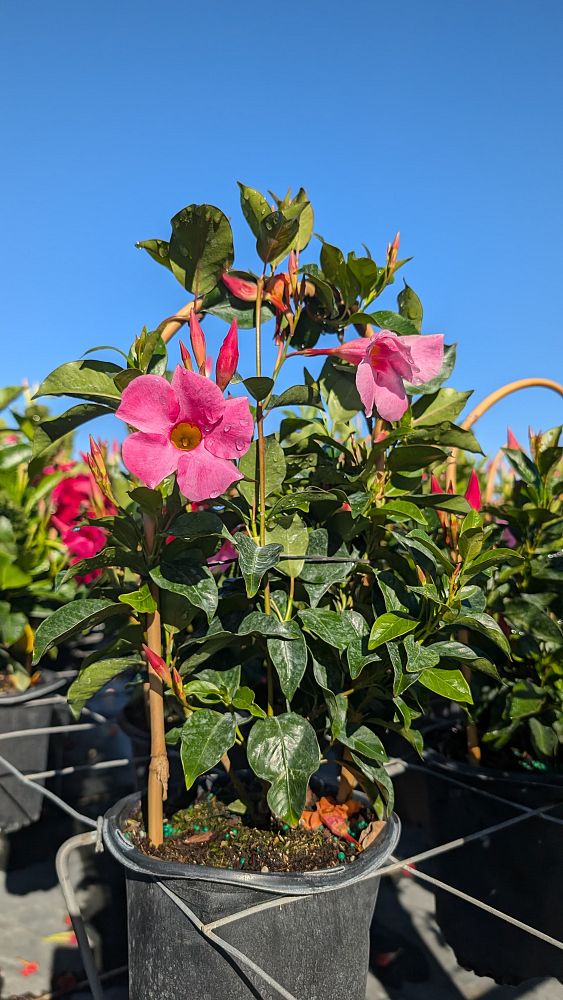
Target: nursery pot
<point>20,805</point>
<point>518,870</point>
<point>315,946</point>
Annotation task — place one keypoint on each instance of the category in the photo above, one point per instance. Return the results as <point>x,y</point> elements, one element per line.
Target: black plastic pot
<point>315,947</point>
<point>518,870</point>
<point>20,805</point>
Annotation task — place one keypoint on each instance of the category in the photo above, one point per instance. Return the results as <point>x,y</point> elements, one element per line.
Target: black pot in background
<point>518,870</point>
<point>140,756</point>
<point>316,948</point>
<point>21,805</point>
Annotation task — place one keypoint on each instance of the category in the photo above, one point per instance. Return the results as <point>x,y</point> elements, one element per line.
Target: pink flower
<point>83,543</point>
<point>158,665</point>
<point>240,288</point>
<point>227,359</point>
<point>223,558</point>
<point>71,498</point>
<point>385,361</point>
<point>186,427</point>
<point>473,491</point>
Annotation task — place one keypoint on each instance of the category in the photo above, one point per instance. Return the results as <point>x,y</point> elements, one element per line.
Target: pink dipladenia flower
<point>186,427</point>
<point>385,362</point>
<point>83,543</point>
<point>473,491</point>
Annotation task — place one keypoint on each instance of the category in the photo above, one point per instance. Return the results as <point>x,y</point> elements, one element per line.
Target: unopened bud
<point>198,342</point>
<point>240,287</point>
<point>186,360</point>
<point>158,665</point>
<point>227,359</point>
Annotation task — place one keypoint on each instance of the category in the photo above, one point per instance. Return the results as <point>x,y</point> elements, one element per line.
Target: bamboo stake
<point>158,768</point>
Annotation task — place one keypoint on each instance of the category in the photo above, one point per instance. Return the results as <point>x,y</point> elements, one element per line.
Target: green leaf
<point>445,404</point>
<point>244,700</point>
<point>275,468</point>
<point>363,741</point>
<point>389,626</point>
<point>488,559</point>
<point>420,657</point>
<point>191,580</point>
<point>523,466</point>
<point>266,625</point>
<point>254,206</point>
<point>448,683</point>
<point>159,250</point>
<point>196,524</point>
<point>49,432</point>
<point>544,738</point>
<point>388,320</point>
<point>298,395</point>
<point>486,625</point>
<point>409,458</point>
<point>289,657</point>
<point>259,388</point>
<point>8,394</point>
<point>525,699</point>
<point>410,306</point>
<point>78,616</point>
<point>201,247</point>
<point>319,577</point>
<point>141,600</point>
<point>294,539</point>
<point>404,509</point>
<point>284,751</point>
<point>378,777</point>
<point>86,379</point>
<point>330,626</point>
<point>449,502</point>
<point>110,556</point>
<point>275,236</point>
<point>93,677</point>
<point>299,501</point>
<point>302,209</point>
<point>205,737</point>
<point>419,540</point>
<point>471,536</point>
<point>255,560</point>
<point>339,389</point>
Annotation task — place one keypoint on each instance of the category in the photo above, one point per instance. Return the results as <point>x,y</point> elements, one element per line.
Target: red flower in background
<point>75,498</point>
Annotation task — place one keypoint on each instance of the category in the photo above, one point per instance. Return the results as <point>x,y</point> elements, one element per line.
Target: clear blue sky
<point>439,118</point>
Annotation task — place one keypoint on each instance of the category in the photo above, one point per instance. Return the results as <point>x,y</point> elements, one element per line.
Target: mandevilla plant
<point>274,556</point>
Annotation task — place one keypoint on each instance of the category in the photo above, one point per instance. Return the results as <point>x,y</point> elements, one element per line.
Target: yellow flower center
<point>186,437</point>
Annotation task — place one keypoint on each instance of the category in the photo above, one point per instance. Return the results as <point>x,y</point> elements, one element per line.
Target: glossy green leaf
<point>206,736</point>
<point>409,458</point>
<point>330,626</point>
<point>95,676</point>
<point>159,250</point>
<point>189,579</point>
<point>445,404</point>
<point>254,206</point>
<point>255,560</point>
<point>78,616</point>
<point>284,751</point>
<point>486,625</point>
<point>141,600</point>
<point>486,560</point>
<point>290,659</point>
<point>275,468</point>
<point>447,683</point>
<point>50,432</point>
<point>201,247</point>
<point>258,388</point>
<point>297,395</point>
<point>197,524</point>
<point>276,236</point>
<point>110,556</point>
<point>363,741</point>
<point>86,379</point>
<point>410,306</point>
<point>294,539</point>
<point>389,626</point>
<point>544,738</point>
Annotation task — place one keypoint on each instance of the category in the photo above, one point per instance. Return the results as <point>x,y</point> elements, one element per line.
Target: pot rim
<point>279,883</point>
<point>50,682</point>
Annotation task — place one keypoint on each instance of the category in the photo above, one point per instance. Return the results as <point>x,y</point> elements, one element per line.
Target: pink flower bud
<point>512,441</point>
<point>177,686</point>
<point>158,665</point>
<point>198,342</point>
<point>473,491</point>
<point>435,485</point>
<point>240,288</point>
<point>186,360</point>
<point>227,359</point>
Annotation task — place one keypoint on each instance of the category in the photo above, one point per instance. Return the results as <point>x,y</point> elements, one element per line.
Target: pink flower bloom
<point>71,498</point>
<point>223,558</point>
<point>473,491</point>
<point>385,361</point>
<point>83,543</point>
<point>227,359</point>
<point>186,427</point>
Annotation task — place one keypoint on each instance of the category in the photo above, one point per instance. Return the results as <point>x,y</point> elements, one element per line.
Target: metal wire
<point>47,793</point>
<point>67,889</point>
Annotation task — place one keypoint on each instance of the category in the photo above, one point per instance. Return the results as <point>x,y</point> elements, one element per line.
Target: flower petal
<point>201,401</point>
<point>427,354</point>
<point>202,476</point>
<point>390,396</point>
<point>232,436</point>
<point>148,403</point>
<point>150,457</point>
<point>365,384</point>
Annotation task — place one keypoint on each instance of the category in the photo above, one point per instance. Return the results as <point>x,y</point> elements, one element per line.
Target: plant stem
<point>158,768</point>
<point>261,500</point>
<point>290,598</point>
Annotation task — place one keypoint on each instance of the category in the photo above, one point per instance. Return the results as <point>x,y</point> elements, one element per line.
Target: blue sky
<point>438,118</point>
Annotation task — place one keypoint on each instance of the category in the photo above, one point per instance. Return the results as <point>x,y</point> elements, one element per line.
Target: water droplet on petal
<point>242,423</point>
<point>214,494</point>
<point>240,444</point>
<point>226,428</point>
